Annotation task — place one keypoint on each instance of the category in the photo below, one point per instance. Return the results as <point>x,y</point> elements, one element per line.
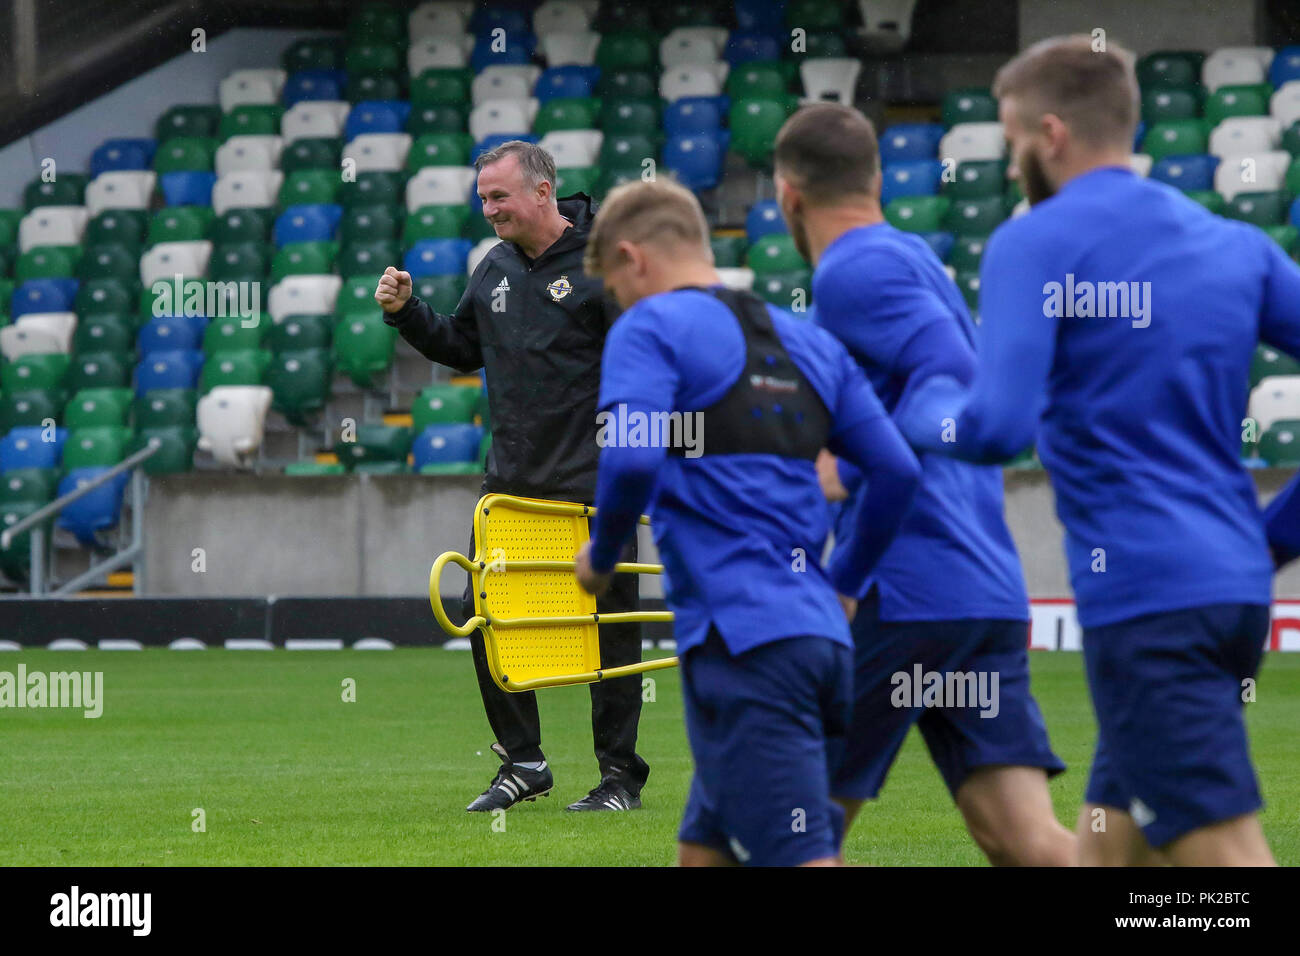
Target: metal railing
<point>130,555</point>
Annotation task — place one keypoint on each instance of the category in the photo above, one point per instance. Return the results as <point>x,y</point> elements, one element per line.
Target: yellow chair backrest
<point>540,628</point>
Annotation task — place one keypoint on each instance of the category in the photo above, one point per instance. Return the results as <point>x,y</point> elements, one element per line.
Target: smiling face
<point>515,209</point>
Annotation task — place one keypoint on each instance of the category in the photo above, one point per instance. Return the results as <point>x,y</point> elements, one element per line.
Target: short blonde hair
<point>658,210</point>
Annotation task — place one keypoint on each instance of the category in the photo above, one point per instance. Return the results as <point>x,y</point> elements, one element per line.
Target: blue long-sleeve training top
<point>1119,322</point>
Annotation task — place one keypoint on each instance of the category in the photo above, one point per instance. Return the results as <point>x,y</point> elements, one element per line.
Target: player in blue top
<point>948,597</point>
<point>1119,321</point>
<point>714,406</point>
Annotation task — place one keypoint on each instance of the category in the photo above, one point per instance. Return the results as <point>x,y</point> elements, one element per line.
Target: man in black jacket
<point>536,324</point>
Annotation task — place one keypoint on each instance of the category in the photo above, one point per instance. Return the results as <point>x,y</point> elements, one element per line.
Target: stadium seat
<point>495,117</point>
<point>31,409</point>
<point>1229,101</point>
<point>478,253</point>
<point>239,262</point>
<point>126,226</point>
<point>68,189</point>
<point>1280,444</point>
<point>168,259</point>
<point>121,189</point>
<point>303,295</point>
<point>201,120</point>
<point>369,257</point>
<point>187,188</point>
<point>250,120</point>
<point>314,120</point>
<point>435,19</point>
<point>250,87</point>
<point>373,186</point>
<point>249,189</point>
<point>230,333</point>
<point>52,226</point>
<point>231,420</point>
<point>1170,68</point>
<point>243,367</point>
<point>374,117</point>
<point>1186,172</point>
<point>567,114</point>
<point>791,291</point>
<point>833,79</point>
<point>312,85</point>
<point>307,223</point>
<point>168,333</point>
<point>304,258</point>
<point>438,118</point>
<point>694,114</point>
<point>311,153</point>
<point>99,370</point>
<point>296,333</point>
<point>363,347</point>
<point>1234,66</point>
<point>38,333</point>
<point>28,447</point>
<point>887,24</point>
<point>444,404</point>
<point>379,221</point>
<point>763,219</point>
<point>248,152</point>
<point>47,262</point>
<point>575,148</point>
<point>122,154</point>
<point>918,213</point>
<point>754,125</point>
<point>430,257</point>
<point>696,160</point>
<point>561,16</point>
<point>1259,208</point>
<point>1175,138</point>
<point>969,105</point>
<point>1274,399</point>
<point>99,445</point>
<point>377,443</point>
<point>28,485</point>
<point>909,141</point>
<point>632,84</point>
<point>1261,172</point>
<point>242,224</point>
<point>165,407</point>
<point>973,141</point>
<point>566,82</point>
<point>96,511</point>
<point>1161,105</point>
<point>775,253</point>
<point>180,224</point>
<point>694,79</point>
<point>168,370</point>
<point>1244,135</point>
<point>440,186</point>
<point>175,452</point>
<point>915,177</point>
<point>516,49</point>
<point>729,251</point>
<point>43,295</point>
<point>439,149</point>
<point>437,222</point>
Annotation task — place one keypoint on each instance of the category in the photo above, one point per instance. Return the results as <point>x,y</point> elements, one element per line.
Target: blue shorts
<point>888,657</point>
<point>758,724</point>
<point>1171,742</point>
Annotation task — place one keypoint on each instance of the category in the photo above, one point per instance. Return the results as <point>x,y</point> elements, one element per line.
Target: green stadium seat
<point>576,179</point>
<point>251,119</point>
<point>358,296</point>
<point>363,347</point>
<point>368,57</point>
<point>975,179</point>
<point>310,187</point>
<point>823,44</point>
<point>228,333</point>
<point>99,370</point>
<point>967,252</point>
<point>442,293</point>
<point>378,221</point>
<point>435,222</point>
<point>626,151</point>
<point>239,261</point>
<point>125,226</point>
<point>1287,236</point>
<point>477,228</point>
<point>313,468</point>
<point>688,14</point>
<point>969,284</point>
<point>1262,209</point>
<point>1163,105</point>
<point>628,50</point>
<point>165,408</point>
<point>186,154</point>
<point>186,122</point>
<point>314,53</point>
<point>441,87</point>
<point>29,486</point>
<point>1292,182</point>
<point>95,296</point>
<point>439,149</point>
<point>917,213</point>
<point>565,114</point>
<point>754,125</point>
<point>757,80</point>
<point>775,253</point>
<point>6,293</point>
<point>377,23</point>
<point>242,225</point>
<point>176,448</point>
<point>970,104</point>
<point>789,290</point>
<point>304,258</point>
<point>67,189</point>
<point>1269,361</point>
<point>728,251</point>
<point>9,220</point>
<point>94,407</point>
<point>7,256</point>
<point>245,367</point>
<point>627,84</point>
<point>375,443</point>
<point>295,333</point>
<point>1280,445</point>
<point>373,187</point>
<point>32,407</point>
<point>813,15</point>
<point>312,153</point>
<point>437,118</point>
<point>363,87</point>
<point>974,217</point>
<point>180,224</point>
<point>444,404</point>
<point>105,332</point>
<point>1226,101</point>
<point>1176,138</point>
<point>1208,198</point>
<point>16,559</point>
<point>369,258</point>
<point>627,115</point>
<point>1170,68</point>
<point>47,262</point>
<point>95,447</point>
<point>1291,139</point>
<point>301,382</point>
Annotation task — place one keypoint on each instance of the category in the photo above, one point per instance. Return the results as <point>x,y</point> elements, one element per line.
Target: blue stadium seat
<point>697,159</point>
<point>169,333</point>
<point>767,16</point>
<point>25,447</point>
<point>763,219</point>
<point>1186,172</point>
<point>517,51</point>
<point>1286,66</point>
<point>437,257</point>
<point>43,295</point>
<point>377,116</point>
<point>492,142</point>
<point>511,19</point>
<point>914,177</point>
<point>1138,134</point>
<point>307,223</point>
<point>1295,213</point>
<point>747,47</point>
<point>940,242</point>
<point>695,114</point>
<point>566,82</point>
<point>178,369</point>
<point>187,188</point>
<point>118,154</point>
<point>905,141</point>
<point>313,85</point>
<point>96,511</point>
<point>444,444</point>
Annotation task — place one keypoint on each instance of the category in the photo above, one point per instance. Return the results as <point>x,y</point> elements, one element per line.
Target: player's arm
<point>1282,524</point>
<point>994,418</point>
<point>1279,321</point>
<point>449,339</point>
<point>866,437</point>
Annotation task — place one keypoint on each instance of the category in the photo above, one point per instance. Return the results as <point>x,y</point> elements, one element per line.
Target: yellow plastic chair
<point>540,628</point>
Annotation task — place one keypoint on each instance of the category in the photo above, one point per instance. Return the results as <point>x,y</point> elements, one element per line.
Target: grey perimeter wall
<point>379,534</point>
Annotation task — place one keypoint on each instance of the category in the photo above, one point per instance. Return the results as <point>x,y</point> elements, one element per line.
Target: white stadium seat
<point>231,420</point>
<point>1284,105</point>
<point>168,259</point>
<point>250,87</point>
<point>573,147</point>
<point>560,16</point>
<point>314,119</point>
<point>440,186</point>
<point>52,226</point>
<point>1236,66</point>
<point>973,141</point>
<point>689,45</point>
<point>1140,163</point>
<point>120,189</point>
<point>570,49</point>
<point>1245,135</point>
<point>494,85</point>
<point>435,19</point>
<point>450,51</point>
<point>693,79</point>
<point>248,152</point>
<point>38,333</point>
<point>378,151</point>
<point>737,278</point>
<point>481,249</point>
<point>1275,398</point>
<point>248,188</point>
<point>303,295</point>
<point>830,78</point>
<point>492,117</point>
<point>1258,173</point>
<point>887,24</point>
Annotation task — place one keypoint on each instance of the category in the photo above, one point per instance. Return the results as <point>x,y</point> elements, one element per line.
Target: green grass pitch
<point>287,773</point>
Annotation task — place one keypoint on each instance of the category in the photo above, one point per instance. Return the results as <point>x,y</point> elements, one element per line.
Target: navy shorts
<point>758,724</point>
<point>1167,690</point>
<point>986,716</point>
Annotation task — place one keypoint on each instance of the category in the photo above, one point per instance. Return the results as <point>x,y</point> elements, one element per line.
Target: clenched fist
<point>393,290</point>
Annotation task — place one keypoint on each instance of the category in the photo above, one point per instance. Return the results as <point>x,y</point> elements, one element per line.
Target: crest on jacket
<point>560,288</point>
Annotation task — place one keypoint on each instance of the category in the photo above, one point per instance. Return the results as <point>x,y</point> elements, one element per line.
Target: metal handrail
<point>58,504</point>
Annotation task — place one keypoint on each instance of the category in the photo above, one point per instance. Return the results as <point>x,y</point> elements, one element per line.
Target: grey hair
<point>534,162</point>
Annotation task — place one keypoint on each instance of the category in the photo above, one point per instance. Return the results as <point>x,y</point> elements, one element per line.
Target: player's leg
<point>700,839</point>
<point>1236,842</point>
<point>695,854</point>
<point>1008,811</point>
<point>1108,836</point>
